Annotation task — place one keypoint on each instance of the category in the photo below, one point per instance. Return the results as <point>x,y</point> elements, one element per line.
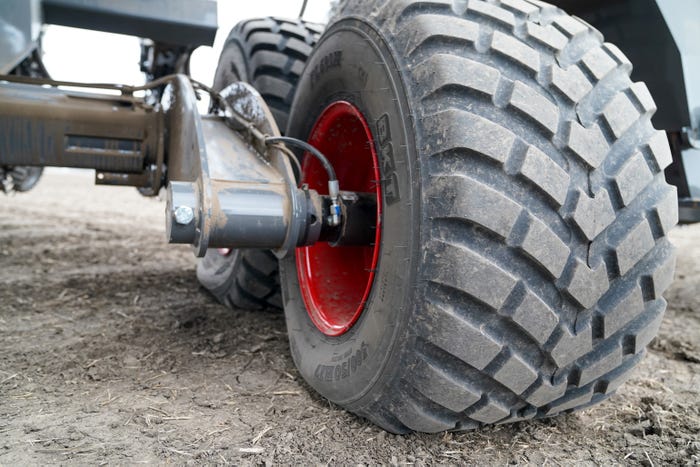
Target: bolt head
<point>184,215</point>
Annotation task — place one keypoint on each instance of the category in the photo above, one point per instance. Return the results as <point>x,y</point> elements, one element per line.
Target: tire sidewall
<point>352,63</point>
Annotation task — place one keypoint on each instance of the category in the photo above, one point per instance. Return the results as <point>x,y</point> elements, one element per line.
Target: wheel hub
<point>336,281</point>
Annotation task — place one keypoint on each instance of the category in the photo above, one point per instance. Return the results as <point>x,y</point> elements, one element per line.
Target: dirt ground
<point>111,353</point>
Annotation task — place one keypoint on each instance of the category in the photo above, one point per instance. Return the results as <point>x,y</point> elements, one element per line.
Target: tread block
<point>600,366</point>
<point>463,269</point>
<point>517,51</point>
<point>455,335</point>
<point>660,149</point>
<point>284,64</point>
<point>464,198</point>
<point>295,68</point>
<point>490,413</point>
<point>254,286</point>
<point>418,418</point>
<point>535,317</point>
<point>643,97</point>
<point>617,54</point>
<point>667,210</point>
<point>260,263</point>
<point>379,414</point>
<point>546,393</point>
<point>571,401</point>
<point>421,28</point>
<point>442,389</point>
<point>624,311</point>
<point>571,82</point>
<point>572,346</point>
<point>493,12</point>
<point>446,131</point>
<point>632,178</point>
<point>262,23</point>
<point>298,30</point>
<point>587,143</point>
<point>520,6</point>
<point>535,106</point>
<point>638,242</point>
<point>274,86</point>
<point>540,4</point>
<point>570,26</point>
<point>515,374</point>
<point>442,70</point>
<point>593,215</point>
<point>317,28</point>
<point>620,114</point>
<point>663,276</point>
<point>617,380</point>
<point>268,40</point>
<point>529,415</point>
<point>588,285</point>
<point>548,36</point>
<point>546,174</point>
<point>650,330</point>
<point>598,63</point>
<point>296,45</point>
<point>543,244</point>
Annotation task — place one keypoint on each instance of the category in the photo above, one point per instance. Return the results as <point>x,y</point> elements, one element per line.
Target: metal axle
<point>229,182</point>
<point>118,136</point>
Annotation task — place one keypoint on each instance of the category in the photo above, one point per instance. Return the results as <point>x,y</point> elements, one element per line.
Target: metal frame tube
<point>53,127</point>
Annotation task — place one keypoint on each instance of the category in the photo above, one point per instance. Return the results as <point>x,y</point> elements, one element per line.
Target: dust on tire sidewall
<point>346,367</point>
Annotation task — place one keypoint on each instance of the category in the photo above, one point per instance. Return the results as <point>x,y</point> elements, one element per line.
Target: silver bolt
<point>184,215</point>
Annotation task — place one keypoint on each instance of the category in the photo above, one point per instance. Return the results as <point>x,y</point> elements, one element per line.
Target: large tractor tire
<point>522,248</point>
<point>269,53</point>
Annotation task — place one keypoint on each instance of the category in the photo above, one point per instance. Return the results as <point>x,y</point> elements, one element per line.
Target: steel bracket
<point>224,192</point>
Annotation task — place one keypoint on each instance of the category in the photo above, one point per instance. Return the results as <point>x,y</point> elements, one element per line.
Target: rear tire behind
<point>269,53</point>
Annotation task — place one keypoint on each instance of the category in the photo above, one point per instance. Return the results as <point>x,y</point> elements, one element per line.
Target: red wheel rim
<point>336,281</point>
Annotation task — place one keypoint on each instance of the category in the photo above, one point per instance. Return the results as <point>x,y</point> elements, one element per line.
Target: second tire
<point>269,53</point>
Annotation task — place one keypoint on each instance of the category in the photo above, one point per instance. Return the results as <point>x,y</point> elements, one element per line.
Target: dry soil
<point>111,353</point>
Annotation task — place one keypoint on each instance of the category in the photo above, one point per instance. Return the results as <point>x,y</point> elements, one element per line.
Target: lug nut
<point>184,215</point>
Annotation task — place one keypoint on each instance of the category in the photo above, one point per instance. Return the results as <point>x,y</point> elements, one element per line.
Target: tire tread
<point>576,346</point>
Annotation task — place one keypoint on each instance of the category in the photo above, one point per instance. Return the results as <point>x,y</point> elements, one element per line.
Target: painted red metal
<point>336,281</point>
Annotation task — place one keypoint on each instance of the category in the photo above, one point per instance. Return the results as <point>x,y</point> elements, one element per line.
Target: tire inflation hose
<point>333,185</point>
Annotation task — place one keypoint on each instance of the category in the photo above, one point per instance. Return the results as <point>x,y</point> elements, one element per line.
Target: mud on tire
<point>524,251</point>
<point>269,53</point>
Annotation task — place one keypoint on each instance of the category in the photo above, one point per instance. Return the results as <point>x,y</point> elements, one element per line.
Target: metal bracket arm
<point>53,127</point>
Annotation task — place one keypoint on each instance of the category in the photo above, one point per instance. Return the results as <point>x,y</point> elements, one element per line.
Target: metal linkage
<point>333,185</point>
<point>118,136</point>
<point>243,109</point>
<point>226,191</point>
<point>230,175</point>
<point>243,192</point>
